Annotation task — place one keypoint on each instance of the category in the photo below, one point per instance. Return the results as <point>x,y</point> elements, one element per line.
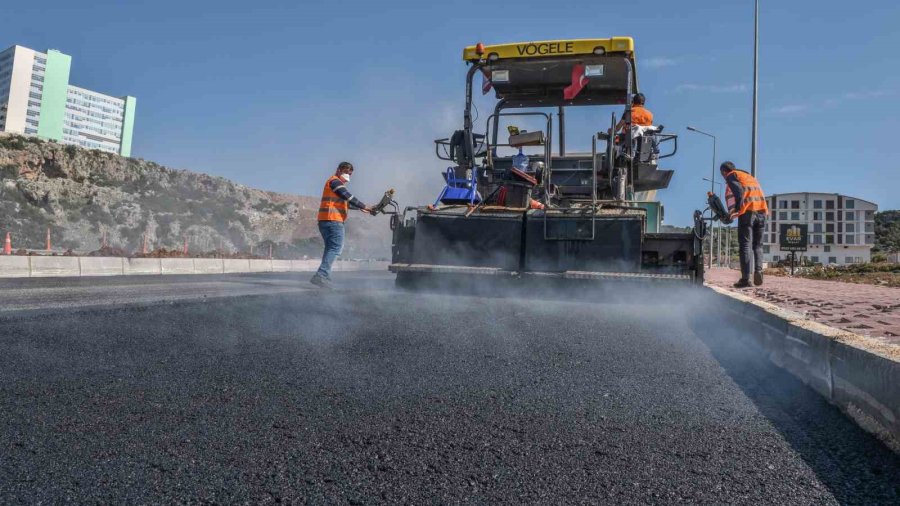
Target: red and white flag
<point>578,82</point>
<point>486,83</point>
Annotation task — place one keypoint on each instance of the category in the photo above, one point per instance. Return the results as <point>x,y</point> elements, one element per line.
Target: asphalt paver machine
<point>550,214</point>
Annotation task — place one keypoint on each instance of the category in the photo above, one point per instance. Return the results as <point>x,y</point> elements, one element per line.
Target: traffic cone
<point>7,246</point>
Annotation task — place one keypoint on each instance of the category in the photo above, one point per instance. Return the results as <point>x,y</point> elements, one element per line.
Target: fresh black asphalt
<point>372,395</point>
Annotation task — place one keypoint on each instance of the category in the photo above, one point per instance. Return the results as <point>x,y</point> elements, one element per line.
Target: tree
<point>887,232</point>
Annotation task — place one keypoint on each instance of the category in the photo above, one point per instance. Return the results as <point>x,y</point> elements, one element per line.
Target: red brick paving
<point>868,310</point>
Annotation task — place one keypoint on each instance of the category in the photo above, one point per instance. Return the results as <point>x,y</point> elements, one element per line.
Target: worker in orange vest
<point>640,115</point>
<point>747,203</point>
<point>333,209</point>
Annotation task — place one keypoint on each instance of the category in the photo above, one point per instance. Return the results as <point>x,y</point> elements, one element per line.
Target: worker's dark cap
<point>345,165</point>
<point>638,98</point>
<point>726,167</point>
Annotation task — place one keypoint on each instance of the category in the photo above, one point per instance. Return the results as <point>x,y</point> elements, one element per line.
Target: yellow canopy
<point>551,48</point>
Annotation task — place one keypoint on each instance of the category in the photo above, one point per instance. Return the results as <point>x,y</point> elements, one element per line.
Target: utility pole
<point>755,87</point>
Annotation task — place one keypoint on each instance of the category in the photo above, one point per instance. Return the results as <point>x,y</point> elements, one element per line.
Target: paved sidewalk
<point>868,310</point>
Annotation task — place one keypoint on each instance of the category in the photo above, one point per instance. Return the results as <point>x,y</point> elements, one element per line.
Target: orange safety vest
<point>332,207</point>
<point>754,199</point>
<point>641,116</point>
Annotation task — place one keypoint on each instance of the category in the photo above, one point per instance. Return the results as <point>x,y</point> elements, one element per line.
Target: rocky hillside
<point>84,195</point>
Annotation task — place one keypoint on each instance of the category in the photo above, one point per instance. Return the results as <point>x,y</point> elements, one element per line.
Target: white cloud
<point>657,62</point>
<point>850,96</point>
<point>865,95</point>
<point>787,110</point>
<point>713,88</point>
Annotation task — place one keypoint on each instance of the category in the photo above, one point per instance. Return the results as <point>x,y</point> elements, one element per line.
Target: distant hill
<point>83,195</point>
<point>887,231</point>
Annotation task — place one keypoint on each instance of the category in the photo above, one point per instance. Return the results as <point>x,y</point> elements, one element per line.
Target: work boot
<point>742,283</point>
<point>321,282</point>
<point>757,278</point>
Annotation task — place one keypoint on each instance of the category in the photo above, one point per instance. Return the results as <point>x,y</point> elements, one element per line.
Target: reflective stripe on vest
<point>332,207</point>
<point>754,200</point>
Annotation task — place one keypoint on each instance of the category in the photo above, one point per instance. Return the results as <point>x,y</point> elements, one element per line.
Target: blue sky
<point>274,94</point>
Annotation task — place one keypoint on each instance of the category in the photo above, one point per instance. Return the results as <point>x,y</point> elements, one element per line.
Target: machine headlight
<point>500,76</point>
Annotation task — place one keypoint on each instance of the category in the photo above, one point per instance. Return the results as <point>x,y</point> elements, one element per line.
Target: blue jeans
<point>333,235</point>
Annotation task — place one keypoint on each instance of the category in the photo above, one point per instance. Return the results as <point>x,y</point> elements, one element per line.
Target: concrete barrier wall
<point>281,265</point>
<point>260,265</point>
<point>15,267</point>
<point>858,374</point>
<point>236,265</point>
<point>208,266</point>
<point>176,265</point>
<point>102,266</point>
<point>142,266</point>
<point>58,266</point>
<point>55,266</point>
<point>307,265</point>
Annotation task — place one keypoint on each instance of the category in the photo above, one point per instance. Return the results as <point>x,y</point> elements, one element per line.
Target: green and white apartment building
<point>37,99</point>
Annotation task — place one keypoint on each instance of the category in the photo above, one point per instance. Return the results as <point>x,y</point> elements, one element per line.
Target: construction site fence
<point>63,266</point>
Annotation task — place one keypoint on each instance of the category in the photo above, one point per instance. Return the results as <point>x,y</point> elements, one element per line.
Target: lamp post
<point>755,87</point>
<point>712,181</point>
<point>717,229</point>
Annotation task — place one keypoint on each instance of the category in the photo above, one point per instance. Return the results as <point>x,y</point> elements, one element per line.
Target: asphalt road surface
<point>258,389</point>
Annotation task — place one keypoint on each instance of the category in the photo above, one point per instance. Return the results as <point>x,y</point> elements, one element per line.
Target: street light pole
<point>712,180</point>
<point>717,228</point>
<point>755,86</point>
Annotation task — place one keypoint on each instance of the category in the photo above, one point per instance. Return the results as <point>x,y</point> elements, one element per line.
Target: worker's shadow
<point>853,464</point>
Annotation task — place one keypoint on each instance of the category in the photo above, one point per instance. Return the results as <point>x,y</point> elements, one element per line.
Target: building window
<point>782,204</point>
<point>795,215</point>
<point>848,260</point>
<point>827,249</point>
<point>795,204</point>
<point>817,204</point>
<point>829,227</point>
<point>849,227</point>
<point>829,239</point>
<point>850,216</point>
<point>849,204</point>
<point>829,216</point>
<point>814,259</point>
<point>870,215</point>
<point>776,258</point>
<point>829,204</point>
<point>832,260</point>
<point>817,216</point>
<point>782,215</point>
<point>850,239</point>
<point>766,249</point>
<point>817,227</point>
<point>817,239</point>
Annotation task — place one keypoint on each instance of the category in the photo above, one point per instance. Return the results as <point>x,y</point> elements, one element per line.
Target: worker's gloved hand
<point>370,211</point>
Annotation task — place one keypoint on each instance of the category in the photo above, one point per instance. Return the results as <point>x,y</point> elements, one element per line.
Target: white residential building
<point>37,99</point>
<point>841,228</point>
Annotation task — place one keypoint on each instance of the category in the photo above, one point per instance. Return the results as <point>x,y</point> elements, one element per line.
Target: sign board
<point>793,237</point>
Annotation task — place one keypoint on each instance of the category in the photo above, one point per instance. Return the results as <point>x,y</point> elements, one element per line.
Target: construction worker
<point>336,202</point>
<point>747,203</point>
<point>640,115</point>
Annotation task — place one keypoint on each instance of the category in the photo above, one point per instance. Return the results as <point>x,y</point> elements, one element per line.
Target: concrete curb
<point>44,266</point>
<point>858,374</point>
